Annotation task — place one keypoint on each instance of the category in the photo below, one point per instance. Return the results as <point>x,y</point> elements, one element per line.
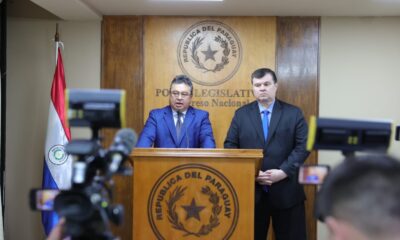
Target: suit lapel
<point>255,118</point>
<point>189,117</point>
<point>169,121</point>
<point>275,118</point>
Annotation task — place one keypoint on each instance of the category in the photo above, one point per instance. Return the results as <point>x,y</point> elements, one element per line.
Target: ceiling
<point>95,9</point>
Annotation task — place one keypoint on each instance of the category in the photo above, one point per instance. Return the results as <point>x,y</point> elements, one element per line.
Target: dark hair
<point>182,79</point>
<point>365,192</point>
<point>261,72</point>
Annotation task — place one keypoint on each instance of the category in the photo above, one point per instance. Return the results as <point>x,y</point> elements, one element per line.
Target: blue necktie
<point>265,123</point>
<point>265,129</point>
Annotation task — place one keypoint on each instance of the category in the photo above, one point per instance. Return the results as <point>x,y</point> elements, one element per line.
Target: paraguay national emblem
<point>57,154</point>
<point>193,201</point>
<point>209,52</point>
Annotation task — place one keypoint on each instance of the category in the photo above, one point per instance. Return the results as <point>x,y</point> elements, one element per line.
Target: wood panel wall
<point>297,69</point>
<point>297,66</point>
<point>122,67</point>
<point>161,64</point>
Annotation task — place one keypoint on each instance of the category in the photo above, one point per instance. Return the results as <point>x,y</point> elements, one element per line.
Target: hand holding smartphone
<point>43,199</point>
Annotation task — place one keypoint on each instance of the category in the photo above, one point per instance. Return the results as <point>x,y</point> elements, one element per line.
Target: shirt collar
<point>175,113</point>
<point>269,109</point>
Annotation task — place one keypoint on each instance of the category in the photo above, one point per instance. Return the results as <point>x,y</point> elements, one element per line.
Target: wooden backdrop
<point>161,44</point>
<point>127,45</point>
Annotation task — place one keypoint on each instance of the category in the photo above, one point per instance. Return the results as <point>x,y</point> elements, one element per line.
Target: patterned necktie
<point>265,123</point>
<point>178,124</point>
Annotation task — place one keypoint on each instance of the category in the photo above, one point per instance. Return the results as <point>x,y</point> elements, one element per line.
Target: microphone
<point>79,172</point>
<point>122,146</point>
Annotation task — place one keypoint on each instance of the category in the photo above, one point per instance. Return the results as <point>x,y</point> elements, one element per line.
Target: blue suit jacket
<point>159,130</point>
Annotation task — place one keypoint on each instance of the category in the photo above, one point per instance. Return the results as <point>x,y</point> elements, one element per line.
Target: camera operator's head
<point>360,199</point>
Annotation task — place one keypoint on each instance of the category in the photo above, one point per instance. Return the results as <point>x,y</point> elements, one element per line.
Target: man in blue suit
<point>178,125</point>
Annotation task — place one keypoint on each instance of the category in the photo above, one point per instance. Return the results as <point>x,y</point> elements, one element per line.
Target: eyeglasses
<point>183,94</point>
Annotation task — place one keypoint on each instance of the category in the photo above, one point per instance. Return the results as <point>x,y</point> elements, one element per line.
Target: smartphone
<point>43,199</point>
<point>313,174</point>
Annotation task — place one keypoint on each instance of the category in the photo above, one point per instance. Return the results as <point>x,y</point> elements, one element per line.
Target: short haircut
<point>182,79</point>
<point>261,72</point>
<point>365,192</point>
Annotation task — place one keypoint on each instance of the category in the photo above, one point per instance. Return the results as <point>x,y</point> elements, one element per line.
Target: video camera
<point>345,135</point>
<point>87,206</point>
<point>349,136</point>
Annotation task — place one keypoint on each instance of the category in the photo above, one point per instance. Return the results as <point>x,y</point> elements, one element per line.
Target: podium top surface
<point>198,152</point>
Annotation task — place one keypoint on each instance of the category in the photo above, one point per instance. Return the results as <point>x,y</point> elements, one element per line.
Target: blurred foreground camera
<point>87,206</point>
<point>397,137</point>
<point>347,136</point>
<point>95,109</point>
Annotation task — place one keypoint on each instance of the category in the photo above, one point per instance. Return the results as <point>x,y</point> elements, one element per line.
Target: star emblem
<point>209,53</point>
<point>192,210</point>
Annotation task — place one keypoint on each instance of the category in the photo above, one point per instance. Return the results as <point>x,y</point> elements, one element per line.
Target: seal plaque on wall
<point>193,201</point>
<point>209,52</point>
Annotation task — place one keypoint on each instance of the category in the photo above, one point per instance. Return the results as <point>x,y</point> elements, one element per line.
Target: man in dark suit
<point>281,131</point>
<point>178,125</point>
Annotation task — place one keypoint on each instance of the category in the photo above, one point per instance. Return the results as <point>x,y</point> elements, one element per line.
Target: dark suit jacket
<point>160,131</point>
<point>285,148</point>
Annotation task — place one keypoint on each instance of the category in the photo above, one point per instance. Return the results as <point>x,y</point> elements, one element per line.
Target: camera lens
<point>73,205</point>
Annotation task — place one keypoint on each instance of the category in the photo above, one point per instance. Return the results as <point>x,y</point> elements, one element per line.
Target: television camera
<point>347,136</point>
<point>87,206</point>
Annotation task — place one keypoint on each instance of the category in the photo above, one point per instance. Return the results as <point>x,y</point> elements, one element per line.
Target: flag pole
<point>57,35</point>
<point>57,39</point>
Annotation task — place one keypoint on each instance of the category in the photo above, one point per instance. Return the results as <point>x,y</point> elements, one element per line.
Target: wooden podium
<point>194,193</point>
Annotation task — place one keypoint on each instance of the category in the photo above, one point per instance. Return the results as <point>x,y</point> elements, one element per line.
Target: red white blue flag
<point>57,167</point>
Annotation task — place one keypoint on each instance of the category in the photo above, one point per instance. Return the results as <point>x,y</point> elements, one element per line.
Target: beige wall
<point>31,62</point>
<point>359,62</point>
<point>359,74</point>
